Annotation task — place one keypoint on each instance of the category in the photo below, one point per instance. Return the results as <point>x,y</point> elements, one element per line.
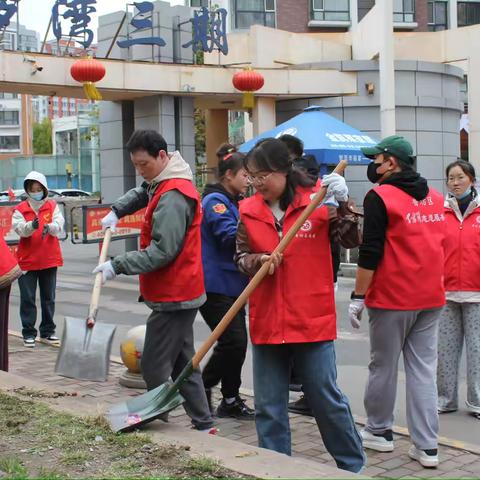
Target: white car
<point>70,192</point>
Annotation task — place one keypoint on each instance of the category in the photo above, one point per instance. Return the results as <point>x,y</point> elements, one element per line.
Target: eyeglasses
<point>258,179</point>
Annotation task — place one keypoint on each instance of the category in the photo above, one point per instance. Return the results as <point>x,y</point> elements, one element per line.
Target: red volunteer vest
<point>181,280</point>
<point>462,252</point>
<point>410,274</point>
<point>35,252</point>
<point>296,304</point>
<point>7,260</point>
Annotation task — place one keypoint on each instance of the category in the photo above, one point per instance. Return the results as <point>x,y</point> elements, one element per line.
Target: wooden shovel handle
<point>97,286</point>
<point>260,275</point>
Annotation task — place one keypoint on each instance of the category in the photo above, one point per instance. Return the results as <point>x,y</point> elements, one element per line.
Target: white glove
<point>355,310</point>
<point>108,273</point>
<point>330,201</point>
<point>110,221</point>
<point>336,186</point>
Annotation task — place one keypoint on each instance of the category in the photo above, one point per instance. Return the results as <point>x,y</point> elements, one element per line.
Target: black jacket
<point>376,220</point>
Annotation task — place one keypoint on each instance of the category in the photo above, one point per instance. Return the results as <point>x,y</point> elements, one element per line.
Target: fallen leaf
<point>250,453</point>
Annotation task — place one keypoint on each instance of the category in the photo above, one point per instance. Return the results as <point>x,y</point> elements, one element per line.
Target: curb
<point>359,420</point>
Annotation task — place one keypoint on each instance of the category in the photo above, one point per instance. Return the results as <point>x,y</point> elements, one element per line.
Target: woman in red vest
<point>460,319</point>
<point>39,222</point>
<point>9,272</point>
<point>292,312</point>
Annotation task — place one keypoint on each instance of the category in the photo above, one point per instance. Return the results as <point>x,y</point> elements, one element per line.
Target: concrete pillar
<point>263,115</point>
<point>353,13</point>
<point>387,70</point>
<point>474,109</point>
<point>216,133</point>
<point>172,117</point>
<point>452,14</point>
<point>116,169</point>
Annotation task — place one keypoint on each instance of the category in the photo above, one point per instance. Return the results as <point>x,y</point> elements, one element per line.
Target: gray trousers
<point>415,334</point>
<point>458,321</point>
<point>168,348</point>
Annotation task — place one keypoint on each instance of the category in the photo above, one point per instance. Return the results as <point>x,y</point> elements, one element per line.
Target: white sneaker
<point>421,456</point>
<point>376,442</point>
<point>29,342</point>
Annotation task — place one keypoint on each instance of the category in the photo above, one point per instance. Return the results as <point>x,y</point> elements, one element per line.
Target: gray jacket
<point>171,220</point>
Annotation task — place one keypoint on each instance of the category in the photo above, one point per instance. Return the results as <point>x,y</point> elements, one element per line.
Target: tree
<point>42,137</point>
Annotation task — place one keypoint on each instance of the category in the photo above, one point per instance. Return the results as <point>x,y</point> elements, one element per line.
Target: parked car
<point>21,195</point>
<point>71,192</point>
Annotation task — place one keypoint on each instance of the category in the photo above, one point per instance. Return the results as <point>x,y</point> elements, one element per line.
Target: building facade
<point>340,15</point>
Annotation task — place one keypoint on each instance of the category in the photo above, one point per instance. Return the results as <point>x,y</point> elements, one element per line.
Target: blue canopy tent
<point>329,140</point>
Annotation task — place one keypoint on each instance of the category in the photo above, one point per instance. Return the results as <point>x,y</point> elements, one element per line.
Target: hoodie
<point>376,219</point>
<point>21,226</point>
<point>171,219</point>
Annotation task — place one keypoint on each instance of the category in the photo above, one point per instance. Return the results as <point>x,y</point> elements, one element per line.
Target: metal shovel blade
<point>137,411</point>
<point>85,352</point>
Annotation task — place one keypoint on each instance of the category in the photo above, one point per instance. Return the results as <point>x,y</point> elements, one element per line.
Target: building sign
<point>72,18</point>
<point>78,13</point>
<point>8,8</point>
<point>128,226</point>
<point>209,31</point>
<point>142,20</point>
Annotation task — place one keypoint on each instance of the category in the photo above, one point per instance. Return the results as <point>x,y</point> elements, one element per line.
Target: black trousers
<point>168,348</point>
<point>226,362</point>
<point>4,296</point>
<point>47,281</point>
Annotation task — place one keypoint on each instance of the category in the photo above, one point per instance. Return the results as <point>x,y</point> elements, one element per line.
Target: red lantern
<point>88,71</point>
<point>248,81</point>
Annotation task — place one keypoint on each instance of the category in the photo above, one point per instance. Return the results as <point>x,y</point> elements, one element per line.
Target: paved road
<point>119,305</point>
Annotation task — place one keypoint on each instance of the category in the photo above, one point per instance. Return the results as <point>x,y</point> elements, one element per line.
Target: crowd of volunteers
<point>416,278</point>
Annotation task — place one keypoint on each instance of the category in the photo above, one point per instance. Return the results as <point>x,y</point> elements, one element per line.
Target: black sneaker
<point>238,409</point>
<point>51,339</point>
<point>301,407</point>
<point>29,342</point>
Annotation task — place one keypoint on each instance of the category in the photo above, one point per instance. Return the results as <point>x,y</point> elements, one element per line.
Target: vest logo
<point>307,226</point>
<point>417,217</point>
<point>47,217</point>
<point>478,219</point>
<point>219,208</point>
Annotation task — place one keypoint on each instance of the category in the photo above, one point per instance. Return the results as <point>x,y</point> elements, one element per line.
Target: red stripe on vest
<point>410,274</point>
<point>462,252</point>
<point>182,279</point>
<point>296,304</point>
<point>35,252</point>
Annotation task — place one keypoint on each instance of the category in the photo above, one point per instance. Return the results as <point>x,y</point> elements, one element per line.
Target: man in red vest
<point>169,264</point>
<point>400,280</point>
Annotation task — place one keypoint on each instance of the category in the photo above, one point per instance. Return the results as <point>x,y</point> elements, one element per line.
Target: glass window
<point>468,13</point>
<point>437,15</point>
<point>403,11</point>
<point>330,10</point>
<point>9,118</point>
<point>199,3</point>
<point>10,142</point>
<point>254,12</point>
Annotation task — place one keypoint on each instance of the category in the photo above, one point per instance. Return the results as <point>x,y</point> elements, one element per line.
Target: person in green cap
<point>400,280</point>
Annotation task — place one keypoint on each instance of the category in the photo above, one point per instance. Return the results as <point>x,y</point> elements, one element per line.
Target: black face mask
<point>372,173</point>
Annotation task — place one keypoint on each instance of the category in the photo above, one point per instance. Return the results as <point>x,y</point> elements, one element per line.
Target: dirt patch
<point>38,442</point>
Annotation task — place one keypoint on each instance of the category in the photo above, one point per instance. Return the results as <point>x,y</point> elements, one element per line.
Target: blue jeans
<point>315,366</point>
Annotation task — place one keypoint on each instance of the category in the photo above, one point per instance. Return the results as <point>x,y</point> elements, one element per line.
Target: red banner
<point>128,225</point>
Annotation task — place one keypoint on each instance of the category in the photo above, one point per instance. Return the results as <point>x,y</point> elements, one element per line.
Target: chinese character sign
<point>209,31</point>
<point>142,20</point>
<point>78,11</point>
<point>8,8</point>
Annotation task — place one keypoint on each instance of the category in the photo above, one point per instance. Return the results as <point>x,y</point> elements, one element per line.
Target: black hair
<point>149,141</point>
<point>294,144</point>
<point>231,161</point>
<point>309,165</point>
<point>271,155</point>
<point>466,167</point>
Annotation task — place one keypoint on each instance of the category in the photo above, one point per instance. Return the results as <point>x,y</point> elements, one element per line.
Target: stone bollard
<point>131,353</point>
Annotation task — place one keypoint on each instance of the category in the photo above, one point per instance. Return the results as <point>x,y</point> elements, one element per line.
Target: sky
<point>35,14</point>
